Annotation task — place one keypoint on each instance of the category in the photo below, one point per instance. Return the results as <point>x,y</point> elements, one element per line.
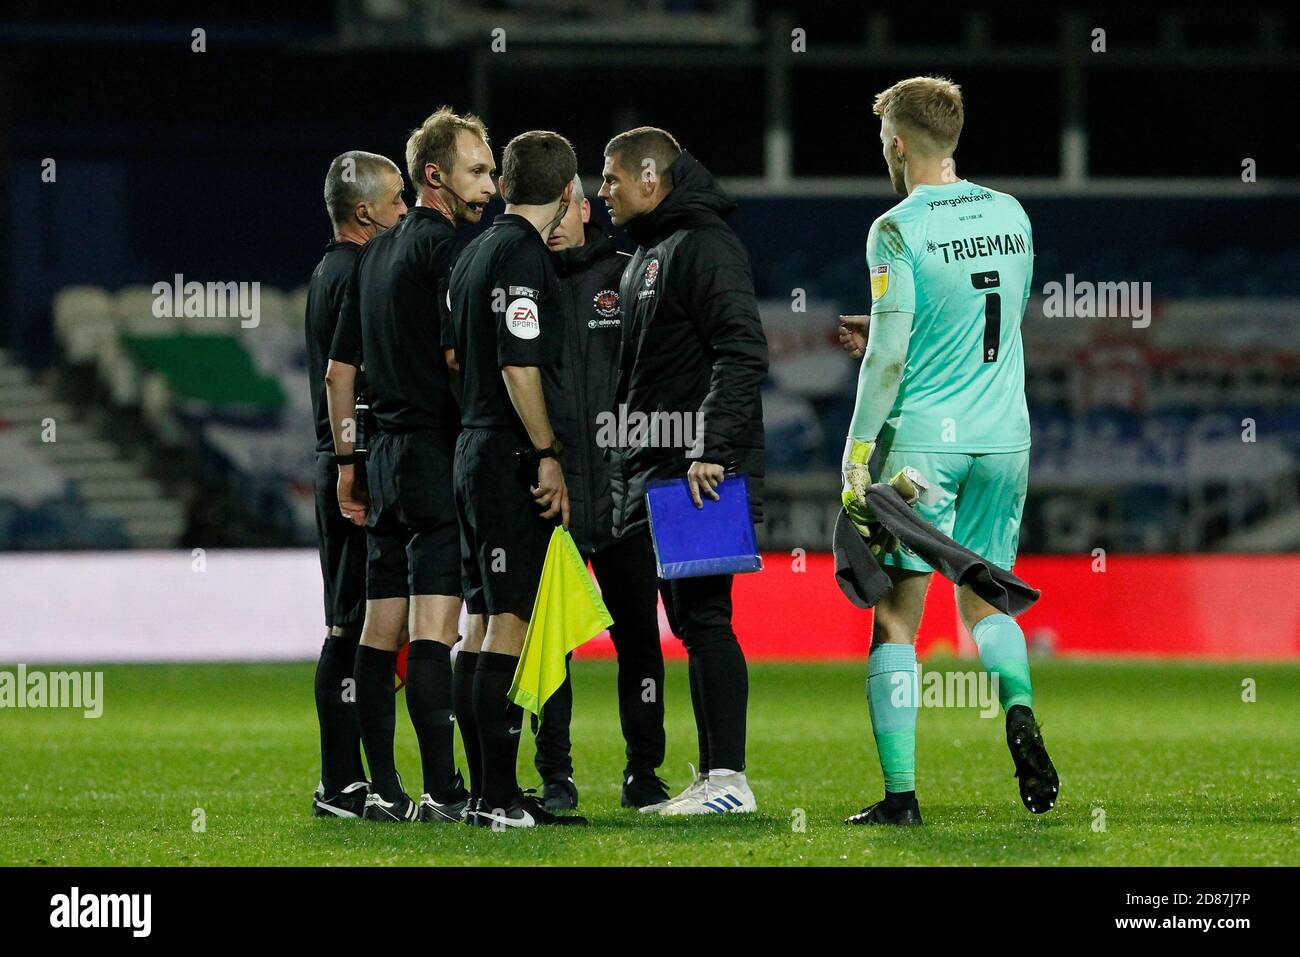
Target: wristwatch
<point>349,459</point>
<point>550,452</point>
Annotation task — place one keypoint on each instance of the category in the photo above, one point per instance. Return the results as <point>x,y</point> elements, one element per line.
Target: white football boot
<point>721,794</point>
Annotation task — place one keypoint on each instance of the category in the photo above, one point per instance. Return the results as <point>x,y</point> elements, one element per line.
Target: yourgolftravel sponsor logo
<point>974,196</point>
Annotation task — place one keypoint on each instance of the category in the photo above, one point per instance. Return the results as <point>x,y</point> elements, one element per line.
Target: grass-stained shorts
<point>982,504</point>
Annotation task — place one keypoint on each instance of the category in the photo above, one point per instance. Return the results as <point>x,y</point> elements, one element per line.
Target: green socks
<point>1002,652</point>
<point>893,692</point>
<point>892,699</point>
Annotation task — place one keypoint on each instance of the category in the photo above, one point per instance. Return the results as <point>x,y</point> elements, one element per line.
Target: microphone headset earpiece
<point>439,184</point>
<point>371,221</point>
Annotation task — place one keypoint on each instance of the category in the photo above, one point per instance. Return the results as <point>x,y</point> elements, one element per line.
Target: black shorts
<point>342,548</point>
<point>505,536</point>
<point>412,537</point>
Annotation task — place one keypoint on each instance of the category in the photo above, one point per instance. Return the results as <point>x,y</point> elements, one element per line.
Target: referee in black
<point>510,487</point>
<point>395,317</point>
<point>579,392</point>
<point>363,196</point>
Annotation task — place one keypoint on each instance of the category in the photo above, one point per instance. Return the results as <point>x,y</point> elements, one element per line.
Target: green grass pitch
<point>1184,772</point>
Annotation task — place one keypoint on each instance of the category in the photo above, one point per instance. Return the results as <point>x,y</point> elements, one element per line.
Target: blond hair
<point>930,105</point>
<point>434,141</point>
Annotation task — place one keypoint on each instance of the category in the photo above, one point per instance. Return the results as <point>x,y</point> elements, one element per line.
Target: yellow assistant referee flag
<point>568,611</point>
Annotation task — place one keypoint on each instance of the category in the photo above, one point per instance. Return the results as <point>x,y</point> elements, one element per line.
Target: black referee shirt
<point>329,281</point>
<point>504,313</point>
<point>395,317</point>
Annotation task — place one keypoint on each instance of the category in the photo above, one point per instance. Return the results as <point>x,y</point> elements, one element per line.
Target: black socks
<point>376,709</point>
<point>500,725</point>
<point>462,696</point>
<point>336,711</point>
<point>554,760</point>
<point>429,702</point>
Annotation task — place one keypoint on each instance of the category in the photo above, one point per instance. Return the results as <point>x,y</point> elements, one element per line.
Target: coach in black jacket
<point>693,353</point>
<point>579,395</point>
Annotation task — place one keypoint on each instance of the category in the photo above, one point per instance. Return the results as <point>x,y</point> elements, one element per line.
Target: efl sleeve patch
<point>522,319</point>
<point>879,281</point>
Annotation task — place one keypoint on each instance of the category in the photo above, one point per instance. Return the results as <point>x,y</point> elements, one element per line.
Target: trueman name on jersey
<point>955,249</point>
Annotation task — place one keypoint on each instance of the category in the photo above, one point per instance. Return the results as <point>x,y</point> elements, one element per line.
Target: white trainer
<point>693,790</point>
<point>721,794</point>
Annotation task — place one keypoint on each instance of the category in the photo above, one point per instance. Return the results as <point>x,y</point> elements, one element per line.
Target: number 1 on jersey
<point>992,311</point>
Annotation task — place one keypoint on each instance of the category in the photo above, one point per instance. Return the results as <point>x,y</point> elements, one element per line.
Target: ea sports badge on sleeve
<point>522,319</point>
<point>879,281</point>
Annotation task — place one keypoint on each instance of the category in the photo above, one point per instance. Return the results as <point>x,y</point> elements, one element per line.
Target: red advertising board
<point>1196,606</point>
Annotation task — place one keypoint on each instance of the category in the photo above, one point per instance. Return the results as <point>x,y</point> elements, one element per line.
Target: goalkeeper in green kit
<point>941,389</point>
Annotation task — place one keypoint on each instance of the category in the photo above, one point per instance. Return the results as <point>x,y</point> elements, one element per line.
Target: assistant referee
<point>510,488</point>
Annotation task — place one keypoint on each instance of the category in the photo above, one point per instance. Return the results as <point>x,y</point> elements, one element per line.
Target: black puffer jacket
<point>580,390</point>
<point>693,345</point>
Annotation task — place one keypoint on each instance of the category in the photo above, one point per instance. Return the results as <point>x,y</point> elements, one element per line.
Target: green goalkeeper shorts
<point>982,501</point>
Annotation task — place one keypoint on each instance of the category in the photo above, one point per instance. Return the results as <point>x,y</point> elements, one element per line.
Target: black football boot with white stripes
<point>524,811</point>
<point>401,810</point>
<point>349,802</point>
<point>451,811</point>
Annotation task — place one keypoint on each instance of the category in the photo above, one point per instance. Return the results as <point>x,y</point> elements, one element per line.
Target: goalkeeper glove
<point>857,479</point>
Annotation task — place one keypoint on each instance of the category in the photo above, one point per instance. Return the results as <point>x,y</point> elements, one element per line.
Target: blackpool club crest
<point>606,303</point>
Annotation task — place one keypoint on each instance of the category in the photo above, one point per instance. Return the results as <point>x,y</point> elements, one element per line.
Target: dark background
<point>211,164</point>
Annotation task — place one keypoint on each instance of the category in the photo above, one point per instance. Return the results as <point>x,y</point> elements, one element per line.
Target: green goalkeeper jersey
<point>959,257</point>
